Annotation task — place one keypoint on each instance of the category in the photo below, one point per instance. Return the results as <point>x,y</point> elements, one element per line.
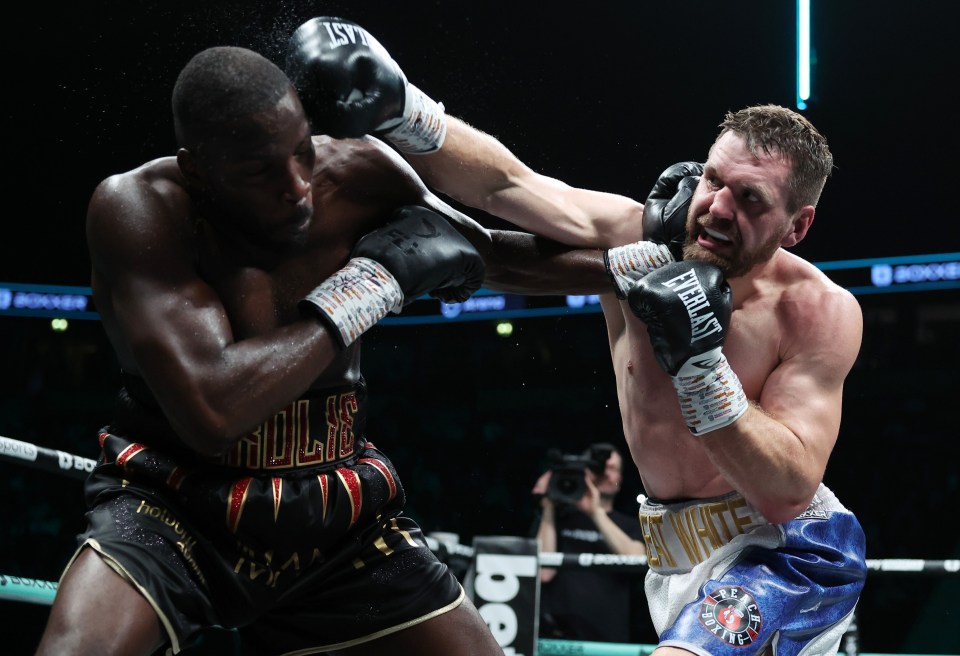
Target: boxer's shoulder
<point>814,311</point>
<point>364,169</point>
<point>153,175</point>
<point>802,287</point>
<point>154,188</point>
<point>365,155</point>
<point>146,210</point>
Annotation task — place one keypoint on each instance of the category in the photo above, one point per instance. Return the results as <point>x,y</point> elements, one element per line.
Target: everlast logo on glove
<point>406,241</point>
<point>686,306</point>
<point>342,34</point>
<point>688,289</point>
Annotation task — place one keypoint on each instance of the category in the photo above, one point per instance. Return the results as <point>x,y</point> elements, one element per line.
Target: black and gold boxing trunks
<point>296,538</point>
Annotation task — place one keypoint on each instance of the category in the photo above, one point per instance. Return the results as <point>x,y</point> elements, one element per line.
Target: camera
<point>567,472</point>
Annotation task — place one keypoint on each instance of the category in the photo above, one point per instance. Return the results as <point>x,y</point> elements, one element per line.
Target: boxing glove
<point>664,228</point>
<point>665,210</point>
<point>687,307</point>
<point>417,252</point>
<point>350,86</point>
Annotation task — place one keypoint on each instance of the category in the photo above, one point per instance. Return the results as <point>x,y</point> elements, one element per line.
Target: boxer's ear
<point>190,169</point>
<point>799,226</point>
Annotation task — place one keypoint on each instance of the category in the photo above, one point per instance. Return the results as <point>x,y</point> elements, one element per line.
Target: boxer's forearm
<point>766,462</point>
<point>477,170</point>
<point>522,263</point>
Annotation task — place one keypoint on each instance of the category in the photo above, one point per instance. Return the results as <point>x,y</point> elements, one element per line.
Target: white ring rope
<point>51,460</point>
<point>19,588</point>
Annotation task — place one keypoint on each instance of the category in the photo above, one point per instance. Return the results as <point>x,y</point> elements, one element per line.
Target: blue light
<point>902,273</point>
<point>803,53</point>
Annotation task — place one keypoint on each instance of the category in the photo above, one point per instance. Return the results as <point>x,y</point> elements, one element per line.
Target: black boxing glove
<point>665,210</point>
<point>664,228</point>
<point>350,86</point>
<point>687,308</point>
<point>426,254</point>
<point>417,252</point>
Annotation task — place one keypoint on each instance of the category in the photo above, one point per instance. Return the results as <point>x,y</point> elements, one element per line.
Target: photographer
<point>577,515</point>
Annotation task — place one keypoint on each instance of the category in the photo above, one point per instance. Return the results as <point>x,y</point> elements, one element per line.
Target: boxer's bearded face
<point>737,216</point>
<point>730,256</point>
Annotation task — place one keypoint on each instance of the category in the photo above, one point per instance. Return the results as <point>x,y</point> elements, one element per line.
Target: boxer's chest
<point>752,348</point>
<point>260,297</point>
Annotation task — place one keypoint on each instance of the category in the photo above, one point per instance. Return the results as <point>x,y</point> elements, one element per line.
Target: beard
<point>739,263</point>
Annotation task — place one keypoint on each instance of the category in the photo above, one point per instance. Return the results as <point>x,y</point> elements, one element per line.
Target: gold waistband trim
<point>682,535</point>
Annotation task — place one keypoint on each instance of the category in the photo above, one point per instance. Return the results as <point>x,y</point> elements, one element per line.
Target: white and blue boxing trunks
<point>724,581</point>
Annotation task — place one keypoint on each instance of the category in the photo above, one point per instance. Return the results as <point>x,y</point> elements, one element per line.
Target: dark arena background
<point>605,97</point>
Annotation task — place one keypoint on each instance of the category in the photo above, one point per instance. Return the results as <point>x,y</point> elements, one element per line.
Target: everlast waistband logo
<point>286,441</point>
<point>688,289</point>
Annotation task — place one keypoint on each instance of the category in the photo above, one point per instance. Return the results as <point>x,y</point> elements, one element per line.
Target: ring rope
<point>74,466</point>
<point>20,588</point>
<point>31,591</point>
<point>50,460</point>
<point>628,563</point>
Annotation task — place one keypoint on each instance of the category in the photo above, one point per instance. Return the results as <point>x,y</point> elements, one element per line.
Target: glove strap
<point>356,297</point>
<point>709,399</point>
<point>423,126</point>
<point>628,264</point>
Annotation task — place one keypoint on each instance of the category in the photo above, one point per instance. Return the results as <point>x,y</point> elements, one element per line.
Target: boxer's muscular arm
<point>523,263</point>
<point>776,456</point>
<point>212,387</point>
<point>355,88</point>
<point>516,262</point>
<point>479,171</point>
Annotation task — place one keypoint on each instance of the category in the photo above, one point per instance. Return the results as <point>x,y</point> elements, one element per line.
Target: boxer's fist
<point>350,86</point>
<point>687,308</point>
<point>426,255</point>
<point>348,83</point>
<point>666,207</point>
<point>417,252</point>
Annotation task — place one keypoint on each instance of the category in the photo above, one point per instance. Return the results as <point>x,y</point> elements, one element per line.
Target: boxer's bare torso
<point>776,305</point>
<point>159,252</point>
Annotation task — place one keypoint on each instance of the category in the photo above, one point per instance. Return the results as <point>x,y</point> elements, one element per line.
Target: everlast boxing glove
<point>667,205</point>
<point>417,252</point>
<point>350,86</point>
<point>664,228</point>
<point>687,308</point>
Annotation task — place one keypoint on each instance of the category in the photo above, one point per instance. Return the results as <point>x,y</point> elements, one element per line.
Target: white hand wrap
<point>710,393</point>
<point>356,297</point>
<point>628,264</point>
<point>423,126</point>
